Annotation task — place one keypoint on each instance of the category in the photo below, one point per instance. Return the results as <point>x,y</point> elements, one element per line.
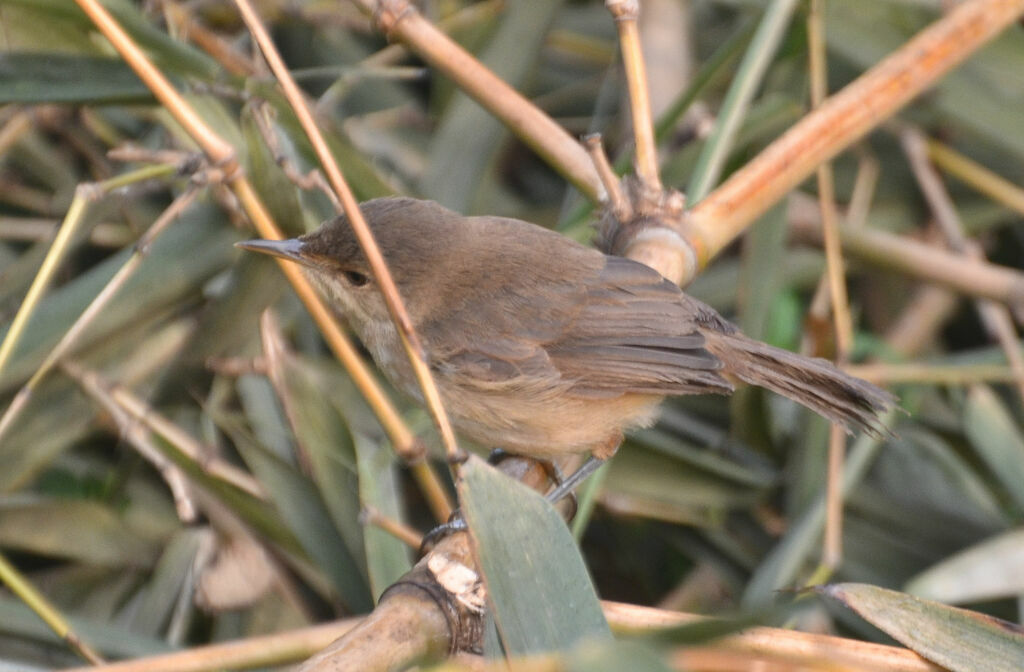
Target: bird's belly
<point>549,427</point>
<point>545,421</point>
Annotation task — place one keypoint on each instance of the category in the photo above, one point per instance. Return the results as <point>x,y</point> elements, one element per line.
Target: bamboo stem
<point>410,340</point>
<point>626,13</point>
<point>400,20</point>
<point>221,153</point>
<point>845,117</point>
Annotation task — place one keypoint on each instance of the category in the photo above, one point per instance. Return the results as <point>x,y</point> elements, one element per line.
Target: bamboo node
<point>389,12</point>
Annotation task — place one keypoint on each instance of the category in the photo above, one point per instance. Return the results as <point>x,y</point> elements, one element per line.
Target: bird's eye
<point>355,278</point>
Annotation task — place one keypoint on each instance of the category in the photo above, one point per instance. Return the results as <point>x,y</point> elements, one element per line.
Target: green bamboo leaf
<point>961,640</point>
<point>306,516</point>
<point>782,564</point>
<point>230,324</point>
<point>761,278</point>
<point>57,78</point>
<point>64,16</point>
<point>542,596</point>
<point>356,444</point>
<point>197,246</point>
<point>266,417</point>
<point>641,481</point>
<point>161,594</point>
<point>257,513</point>
<point>987,571</point>
<point>58,414</point>
<point>469,138</point>
<point>327,443</point>
<point>748,79</point>
<point>997,438</point>
<point>387,558</point>
<point>278,193</point>
<point>615,656</point>
<point>17,619</point>
<point>84,530</point>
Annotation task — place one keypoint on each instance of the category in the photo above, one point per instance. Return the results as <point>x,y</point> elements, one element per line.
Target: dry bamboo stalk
<point>626,14</point>
<point>843,119</point>
<point>221,154</point>
<point>399,315</point>
<point>400,20</point>
<point>926,262</point>
<point>996,316</point>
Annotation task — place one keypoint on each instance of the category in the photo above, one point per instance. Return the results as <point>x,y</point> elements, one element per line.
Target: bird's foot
<point>455,523</point>
<point>567,487</point>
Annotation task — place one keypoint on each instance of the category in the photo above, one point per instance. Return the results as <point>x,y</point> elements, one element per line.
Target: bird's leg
<point>569,485</point>
<point>598,457</point>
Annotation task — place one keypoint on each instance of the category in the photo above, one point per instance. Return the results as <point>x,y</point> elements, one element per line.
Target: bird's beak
<point>291,249</point>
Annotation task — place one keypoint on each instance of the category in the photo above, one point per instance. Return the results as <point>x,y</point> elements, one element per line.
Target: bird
<point>543,346</point>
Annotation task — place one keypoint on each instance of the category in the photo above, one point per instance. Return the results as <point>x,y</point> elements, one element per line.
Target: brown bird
<point>540,345</point>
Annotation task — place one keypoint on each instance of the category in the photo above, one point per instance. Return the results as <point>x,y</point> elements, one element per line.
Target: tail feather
<point>815,383</point>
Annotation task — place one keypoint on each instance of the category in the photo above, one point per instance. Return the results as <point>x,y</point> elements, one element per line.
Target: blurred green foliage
<point>717,507</point>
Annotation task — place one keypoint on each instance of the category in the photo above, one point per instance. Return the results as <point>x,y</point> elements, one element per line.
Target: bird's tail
<point>815,383</point>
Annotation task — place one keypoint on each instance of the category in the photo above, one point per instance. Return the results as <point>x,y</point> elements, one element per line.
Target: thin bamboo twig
<point>932,374</point>
<point>775,643</point>
<point>832,546</point>
<point>191,30</point>
<point>917,324</point>
<point>925,262</point>
<point>972,173</point>
<point>617,201</point>
<point>863,194</point>
<point>832,550</point>
<point>400,20</point>
<point>351,207</point>
<point>410,340</point>
<point>112,394</point>
<point>72,220</point>
<point>27,593</point>
<point>836,273</point>
<point>93,310</point>
<point>27,198</point>
<point>406,445</point>
<point>845,117</point>
<point>236,366</point>
<point>141,438</point>
<point>314,179</point>
<point>220,153</point>
<point>15,127</point>
<point>40,229</point>
<point>786,559</point>
<point>466,17</point>
<point>997,317</point>
<point>396,528</point>
<point>626,13</point>
<point>812,342</point>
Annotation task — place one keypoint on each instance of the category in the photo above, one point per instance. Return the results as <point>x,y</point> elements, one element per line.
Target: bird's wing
<point>624,329</point>
<point>635,333</point>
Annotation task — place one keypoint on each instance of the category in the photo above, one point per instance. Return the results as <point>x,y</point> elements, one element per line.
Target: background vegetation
<point>711,511</point>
